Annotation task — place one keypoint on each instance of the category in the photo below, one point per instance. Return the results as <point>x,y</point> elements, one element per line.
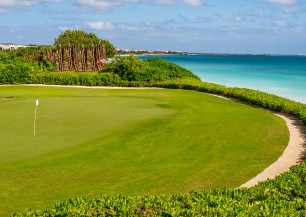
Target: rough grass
<point>93,141</point>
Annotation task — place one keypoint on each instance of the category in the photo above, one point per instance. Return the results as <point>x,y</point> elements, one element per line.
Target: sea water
<point>277,74</point>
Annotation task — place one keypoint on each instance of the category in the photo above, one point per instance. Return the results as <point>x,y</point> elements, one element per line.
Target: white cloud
<point>205,19</point>
<point>160,2</point>
<point>15,4</point>
<point>125,27</point>
<point>107,5</point>
<point>290,6</point>
<point>284,2</point>
<point>280,23</point>
<point>234,18</point>
<point>99,25</point>
<point>298,27</point>
<point>168,2</point>
<point>193,2</point>
<point>102,6</point>
<point>63,28</point>
<point>6,2</point>
<point>291,9</point>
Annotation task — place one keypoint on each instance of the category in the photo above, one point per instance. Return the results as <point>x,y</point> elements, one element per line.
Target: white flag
<point>37,103</point>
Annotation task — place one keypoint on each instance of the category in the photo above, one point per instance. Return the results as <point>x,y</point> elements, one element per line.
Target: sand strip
<point>293,154</point>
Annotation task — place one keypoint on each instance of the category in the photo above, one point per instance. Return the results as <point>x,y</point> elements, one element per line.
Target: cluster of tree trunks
<point>77,58</point>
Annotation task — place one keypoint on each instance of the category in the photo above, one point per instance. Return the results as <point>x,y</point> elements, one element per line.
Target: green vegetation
<point>78,38</point>
<point>110,48</point>
<point>93,141</point>
<point>147,72</point>
<point>83,39</point>
<point>19,66</point>
<point>14,69</point>
<point>283,196</point>
<point>129,71</point>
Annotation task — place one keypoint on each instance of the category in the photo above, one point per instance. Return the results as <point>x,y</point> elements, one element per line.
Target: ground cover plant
<point>92,141</point>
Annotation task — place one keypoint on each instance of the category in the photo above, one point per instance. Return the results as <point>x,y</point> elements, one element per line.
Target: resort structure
<point>10,46</point>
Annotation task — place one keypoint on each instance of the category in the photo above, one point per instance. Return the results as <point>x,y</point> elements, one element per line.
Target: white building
<point>9,46</point>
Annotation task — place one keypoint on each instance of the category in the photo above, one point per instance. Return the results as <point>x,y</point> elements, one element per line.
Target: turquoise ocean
<point>277,74</point>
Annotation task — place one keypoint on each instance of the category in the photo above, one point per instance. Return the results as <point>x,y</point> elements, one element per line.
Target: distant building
<point>10,46</point>
<point>145,52</point>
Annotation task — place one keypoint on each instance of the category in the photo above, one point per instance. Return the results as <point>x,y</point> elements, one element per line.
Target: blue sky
<point>216,26</point>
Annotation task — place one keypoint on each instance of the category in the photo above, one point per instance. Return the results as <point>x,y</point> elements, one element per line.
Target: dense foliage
<point>152,70</point>
<point>83,39</point>
<point>16,69</point>
<point>35,56</point>
<point>283,196</point>
<point>129,71</point>
<point>79,38</point>
<point>110,48</point>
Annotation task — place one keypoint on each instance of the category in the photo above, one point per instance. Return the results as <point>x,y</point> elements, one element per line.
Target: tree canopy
<point>110,49</point>
<point>83,39</point>
<point>79,38</point>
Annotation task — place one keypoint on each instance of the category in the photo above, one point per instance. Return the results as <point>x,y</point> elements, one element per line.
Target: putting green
<point>93,141</point>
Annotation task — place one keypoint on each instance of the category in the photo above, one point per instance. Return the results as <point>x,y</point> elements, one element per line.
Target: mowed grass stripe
<point>93,141</point>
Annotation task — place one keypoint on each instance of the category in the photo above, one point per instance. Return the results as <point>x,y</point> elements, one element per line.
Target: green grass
<point>94,141</point>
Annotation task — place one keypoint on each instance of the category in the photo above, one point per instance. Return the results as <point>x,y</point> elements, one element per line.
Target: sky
<point>209,26</point>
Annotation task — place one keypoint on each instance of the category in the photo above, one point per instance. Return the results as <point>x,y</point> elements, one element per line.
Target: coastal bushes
<point>76,78</point>
<point>16,68</point>
<point>283,196</point>
<point>149,71</point>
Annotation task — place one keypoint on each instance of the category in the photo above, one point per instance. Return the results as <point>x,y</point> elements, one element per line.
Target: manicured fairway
<point>94,141</point>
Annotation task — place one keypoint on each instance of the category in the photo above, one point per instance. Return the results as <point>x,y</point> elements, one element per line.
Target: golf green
<point>125,141</point>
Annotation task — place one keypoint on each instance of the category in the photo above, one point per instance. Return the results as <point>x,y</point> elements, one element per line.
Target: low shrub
<point>77,78</point>
<point>152,70</point>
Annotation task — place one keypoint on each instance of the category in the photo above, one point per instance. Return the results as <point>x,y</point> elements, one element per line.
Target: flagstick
<point>35,120</point>
<point>36,105</point>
